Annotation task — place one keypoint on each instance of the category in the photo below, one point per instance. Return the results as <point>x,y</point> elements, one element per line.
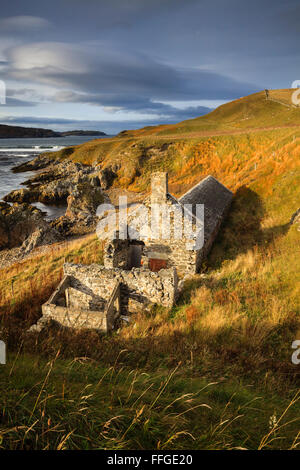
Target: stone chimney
<point>159,187</point>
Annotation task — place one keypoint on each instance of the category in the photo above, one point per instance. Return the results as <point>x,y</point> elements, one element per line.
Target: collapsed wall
<point>75,306</point>
<point>140,287</point>
<point>94,296</point>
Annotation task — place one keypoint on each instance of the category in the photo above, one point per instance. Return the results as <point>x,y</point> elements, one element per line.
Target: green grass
<point>81,404</point>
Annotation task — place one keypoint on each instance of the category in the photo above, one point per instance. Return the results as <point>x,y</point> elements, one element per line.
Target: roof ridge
<point>201,182</point>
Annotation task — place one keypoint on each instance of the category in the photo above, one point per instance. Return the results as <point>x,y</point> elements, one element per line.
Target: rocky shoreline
<point>55,182</point>
<point>81,188</point>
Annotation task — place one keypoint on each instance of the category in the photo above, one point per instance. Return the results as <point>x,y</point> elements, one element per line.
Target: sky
<point>111,65</point>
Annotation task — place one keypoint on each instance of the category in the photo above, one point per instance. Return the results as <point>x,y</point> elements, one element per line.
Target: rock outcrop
<point>38,163</point>
<point>60,181</point>
<point>22,225</point>
<point>44,235</point>
<point>54,184</point>
<point>21,196</point>
<point>106,177</point>
<point>83,201</point>
<point>65,182</point>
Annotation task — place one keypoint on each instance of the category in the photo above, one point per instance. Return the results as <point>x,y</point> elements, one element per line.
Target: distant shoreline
<point>19,132</point>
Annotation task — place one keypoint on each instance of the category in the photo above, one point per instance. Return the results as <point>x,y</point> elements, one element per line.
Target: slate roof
<point>216,199</point>
<point>210,192</point>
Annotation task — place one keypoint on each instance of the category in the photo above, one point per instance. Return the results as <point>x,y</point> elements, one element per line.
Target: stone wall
<point>140,287</point>
<point>74,308</point>
<point>113,307</point>
<point>174,251</point>
<point>77,298</point>
<point>76,318</point>
<point>117,254</point>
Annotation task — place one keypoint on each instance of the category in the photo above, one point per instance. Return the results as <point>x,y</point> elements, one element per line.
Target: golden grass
<point>24,286</point>
<point>250,296</point>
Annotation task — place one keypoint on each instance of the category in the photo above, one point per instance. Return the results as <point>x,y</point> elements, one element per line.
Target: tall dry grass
<point>26,285</point>
<point>79,404</point>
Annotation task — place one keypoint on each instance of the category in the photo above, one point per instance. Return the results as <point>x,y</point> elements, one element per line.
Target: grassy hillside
<point>250,112</point>
<point>237,143</point>
<point>231,330</point>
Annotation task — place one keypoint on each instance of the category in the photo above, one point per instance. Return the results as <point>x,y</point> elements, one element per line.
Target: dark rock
<point>21,195</point>
<point>106,177</point>
<point>37,163</point>
<point>22,224</point>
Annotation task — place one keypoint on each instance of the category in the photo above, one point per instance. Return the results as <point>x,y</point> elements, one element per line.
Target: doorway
<point>135,255</point>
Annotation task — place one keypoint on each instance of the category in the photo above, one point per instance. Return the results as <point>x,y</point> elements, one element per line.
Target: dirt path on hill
<point>226,132</point>
<point>207,133</point>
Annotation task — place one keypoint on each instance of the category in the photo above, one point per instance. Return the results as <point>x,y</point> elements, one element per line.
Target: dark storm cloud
<point>19,24</point>
<point>119,102</point>
<point>115,77</point>
<point>138,55</point>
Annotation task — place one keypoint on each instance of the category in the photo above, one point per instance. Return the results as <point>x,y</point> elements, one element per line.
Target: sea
<point>13,152</point>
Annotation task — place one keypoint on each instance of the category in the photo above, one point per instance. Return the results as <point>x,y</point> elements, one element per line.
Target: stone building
<point>159,243</point>
<point>140,267</point>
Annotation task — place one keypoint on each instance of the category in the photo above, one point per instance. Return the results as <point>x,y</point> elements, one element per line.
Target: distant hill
<point>87,133</point>
<point>15,132</point>
<point>249,112</point>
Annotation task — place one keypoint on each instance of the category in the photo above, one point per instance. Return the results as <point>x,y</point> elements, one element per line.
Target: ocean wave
<point>32,149</point>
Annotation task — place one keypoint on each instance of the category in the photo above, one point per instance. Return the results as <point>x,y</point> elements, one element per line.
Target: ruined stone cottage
<point>141,269</point>
<point>154,244</point>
